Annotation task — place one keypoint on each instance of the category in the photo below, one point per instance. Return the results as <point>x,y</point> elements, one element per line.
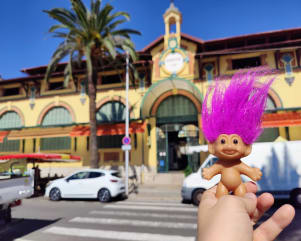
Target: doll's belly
<point>231,178</point>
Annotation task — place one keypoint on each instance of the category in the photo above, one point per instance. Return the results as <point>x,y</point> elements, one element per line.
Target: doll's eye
<point>223,141</point>
<point>235,141</point>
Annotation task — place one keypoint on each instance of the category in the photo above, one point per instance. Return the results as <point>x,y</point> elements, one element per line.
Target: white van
<point>280,163</point>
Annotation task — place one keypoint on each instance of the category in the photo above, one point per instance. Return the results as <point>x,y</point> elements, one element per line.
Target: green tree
<point>92,35</point>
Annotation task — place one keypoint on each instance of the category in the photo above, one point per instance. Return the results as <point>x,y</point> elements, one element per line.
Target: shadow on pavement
<point>19,228</point>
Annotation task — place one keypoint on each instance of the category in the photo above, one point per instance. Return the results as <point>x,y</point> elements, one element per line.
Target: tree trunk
<point>92,80</point>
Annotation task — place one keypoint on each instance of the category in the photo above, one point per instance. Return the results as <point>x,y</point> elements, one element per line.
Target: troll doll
<point>231,121</point>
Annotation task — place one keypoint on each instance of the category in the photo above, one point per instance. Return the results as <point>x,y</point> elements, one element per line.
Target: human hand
<point>206,173</point>
<point>257,174</point>
<point>231,218</point>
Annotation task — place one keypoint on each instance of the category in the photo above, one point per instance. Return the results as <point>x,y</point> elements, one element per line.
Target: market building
<point>175,71</point>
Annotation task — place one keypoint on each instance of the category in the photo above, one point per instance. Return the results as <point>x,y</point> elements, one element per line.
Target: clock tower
<point>172,19</point>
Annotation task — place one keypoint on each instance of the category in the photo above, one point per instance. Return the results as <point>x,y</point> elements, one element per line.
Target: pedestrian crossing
<point>127,220</point>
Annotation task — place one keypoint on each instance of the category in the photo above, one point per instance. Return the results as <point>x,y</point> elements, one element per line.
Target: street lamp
<point>127,125</point>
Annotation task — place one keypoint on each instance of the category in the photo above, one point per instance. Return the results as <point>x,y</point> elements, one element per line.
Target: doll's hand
<point>256,174</point>
<point>206,173</point>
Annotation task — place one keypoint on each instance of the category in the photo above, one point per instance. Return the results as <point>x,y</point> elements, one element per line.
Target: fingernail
<point>250,196</point>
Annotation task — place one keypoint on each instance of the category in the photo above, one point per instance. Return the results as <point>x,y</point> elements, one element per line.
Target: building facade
<point>175,71</point>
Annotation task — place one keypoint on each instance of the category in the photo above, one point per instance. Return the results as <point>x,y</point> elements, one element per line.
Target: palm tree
<point>91,35</point>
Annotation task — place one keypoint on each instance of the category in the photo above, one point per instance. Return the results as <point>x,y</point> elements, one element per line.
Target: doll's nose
<point>228,147</point>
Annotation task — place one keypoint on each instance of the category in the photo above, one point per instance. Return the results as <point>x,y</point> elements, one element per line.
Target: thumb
<point>249,201</point>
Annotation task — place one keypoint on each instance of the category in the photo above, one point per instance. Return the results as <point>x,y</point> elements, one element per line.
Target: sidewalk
<point>149,192</point>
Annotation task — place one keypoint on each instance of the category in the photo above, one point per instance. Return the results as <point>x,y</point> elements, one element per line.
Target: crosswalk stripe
<point>144,214</point>
<point>132,236</point>
<point>156,204</point>
<point>145,208</point>
<point>136,223</point>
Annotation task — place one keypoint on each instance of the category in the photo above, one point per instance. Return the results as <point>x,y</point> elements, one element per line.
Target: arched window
<point>176,108</point>
<point>269,134</point>
<point>57,116</point>
<point>112,111</point>
<point>10,120</point>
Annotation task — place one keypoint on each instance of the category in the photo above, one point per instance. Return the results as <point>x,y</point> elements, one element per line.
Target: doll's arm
<point>210,172</point>
<point>252,172</point>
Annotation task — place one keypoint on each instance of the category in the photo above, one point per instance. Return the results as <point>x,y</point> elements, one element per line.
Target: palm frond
<point>68,71</point>
<point>125,32</point>
<point>81,13</point>
<point>60,35</point>
<point>56,26</point>
<point>95,6</point>
<point>61,16</point>
<point>102,16</point>
<point>62,51</point>
<point>109,45</point>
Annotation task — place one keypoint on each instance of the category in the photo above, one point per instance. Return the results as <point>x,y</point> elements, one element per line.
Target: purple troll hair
<point>237,108</point>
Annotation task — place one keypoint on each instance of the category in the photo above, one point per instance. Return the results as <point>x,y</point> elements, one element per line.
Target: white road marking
<point>134,223</point>
<point>132,236</point>
<point>145,208</point>
<point>156,204</point>
<point>21,239</point>
<point>144,214</point>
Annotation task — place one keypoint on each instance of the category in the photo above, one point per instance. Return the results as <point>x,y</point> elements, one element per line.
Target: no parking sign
<point>126,140</point>
<point>126,143</point>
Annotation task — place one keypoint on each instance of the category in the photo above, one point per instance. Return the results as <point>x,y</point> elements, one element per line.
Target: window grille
<point>55,143</point>
<point>57,116</point>
<point>10,120</point>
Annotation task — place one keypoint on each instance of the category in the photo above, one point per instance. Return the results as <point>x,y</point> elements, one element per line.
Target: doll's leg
<point>241,190</point>
<point>221,190</point>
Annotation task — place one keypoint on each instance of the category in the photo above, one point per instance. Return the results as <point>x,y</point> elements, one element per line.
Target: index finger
<point>208,199</point>
<point>251,187</point>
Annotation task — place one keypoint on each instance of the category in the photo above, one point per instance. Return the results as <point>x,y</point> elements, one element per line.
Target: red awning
<point>281,119</point>
<point>3,134</point>
<point>41,156</point>
<point>109,129</point>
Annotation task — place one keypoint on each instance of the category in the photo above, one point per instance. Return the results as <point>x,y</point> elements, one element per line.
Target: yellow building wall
<point>146,150</point>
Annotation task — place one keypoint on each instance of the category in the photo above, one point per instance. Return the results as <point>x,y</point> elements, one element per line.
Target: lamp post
<point>127,124</point>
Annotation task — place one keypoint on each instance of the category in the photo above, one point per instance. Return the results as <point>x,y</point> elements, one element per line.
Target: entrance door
<point>172,114</point>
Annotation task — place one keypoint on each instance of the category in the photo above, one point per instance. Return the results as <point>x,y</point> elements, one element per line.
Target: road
<point>91,221</point>
<point>39,219</point>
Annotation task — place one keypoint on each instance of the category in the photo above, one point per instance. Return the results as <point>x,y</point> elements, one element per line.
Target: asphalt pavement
<point>151,212</point>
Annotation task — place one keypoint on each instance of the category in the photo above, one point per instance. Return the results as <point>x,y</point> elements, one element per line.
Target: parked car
<point>92,183</point>
<point>278,161</point>
<point>14,186</point>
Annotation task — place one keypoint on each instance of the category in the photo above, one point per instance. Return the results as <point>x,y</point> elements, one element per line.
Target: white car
<point>92,183</point>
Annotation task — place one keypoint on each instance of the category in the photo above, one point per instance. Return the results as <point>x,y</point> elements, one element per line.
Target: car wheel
<point>196,196</point>
<point>55,194</point>
<point>295,197</point>
<point>104,195</point>
<point>7,215</point>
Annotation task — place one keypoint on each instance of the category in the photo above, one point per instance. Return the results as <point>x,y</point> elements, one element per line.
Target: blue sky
<point>25,43</point>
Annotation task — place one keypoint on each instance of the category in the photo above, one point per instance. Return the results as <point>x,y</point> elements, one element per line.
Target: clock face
<point>174,62</point>
<point>172,43</point>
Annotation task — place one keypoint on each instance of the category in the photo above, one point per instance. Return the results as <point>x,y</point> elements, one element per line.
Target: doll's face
<point>229,147</point>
